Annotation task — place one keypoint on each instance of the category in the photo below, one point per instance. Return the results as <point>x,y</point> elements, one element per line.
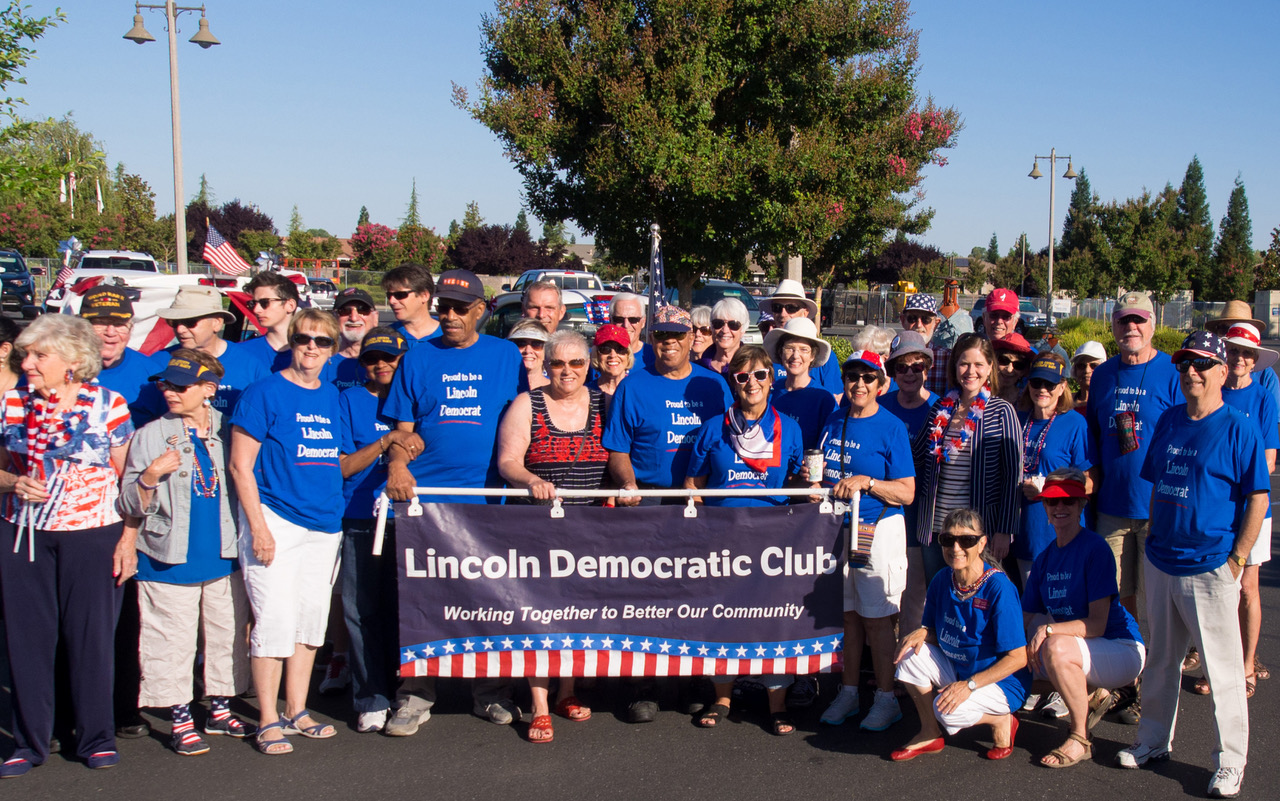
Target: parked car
<point>505,311</point>
<point>125,265</point>
<point>17,289</point>
<point>585,282</point>
<point>323,292</point>
<point>712,290</point>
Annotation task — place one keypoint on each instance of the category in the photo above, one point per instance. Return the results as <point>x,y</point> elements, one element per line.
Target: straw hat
<point>1236,311</point>
<point>790,289</point>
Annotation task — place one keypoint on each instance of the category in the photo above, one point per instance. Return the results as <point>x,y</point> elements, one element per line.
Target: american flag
<point>219,253</point>
<point>657,277</point>
<point>64,275</point>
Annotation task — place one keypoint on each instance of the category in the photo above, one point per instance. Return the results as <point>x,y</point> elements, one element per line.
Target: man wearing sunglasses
<point>275,299</point>
<point>786,303</point>
<point>920,314</point>
<point>1210,485</point>
<point>197,318</point>
<point>357,315</point>
<point>543,301</point>
<point>627,310</point>
<point>409,289</point>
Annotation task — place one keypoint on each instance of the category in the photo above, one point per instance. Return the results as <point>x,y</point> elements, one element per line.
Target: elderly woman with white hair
<point>61,562</point>
<point>531,338</point>
<point>729,321</point>
<point>700,317</point>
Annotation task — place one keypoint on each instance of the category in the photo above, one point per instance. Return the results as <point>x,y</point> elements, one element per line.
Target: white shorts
<point>876,590</point>
<point>1262,547</point>
<point>290,599</point>
<point>929,667</point>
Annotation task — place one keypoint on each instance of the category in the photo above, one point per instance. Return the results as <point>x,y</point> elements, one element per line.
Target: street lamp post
<point>1035,173</point>
<point>205,39</point>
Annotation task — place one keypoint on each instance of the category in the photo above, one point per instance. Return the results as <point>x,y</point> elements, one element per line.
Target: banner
<point>490,590</point>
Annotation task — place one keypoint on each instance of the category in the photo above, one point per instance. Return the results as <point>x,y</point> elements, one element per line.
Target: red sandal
<point>573,709</point>
<point>542,725</point>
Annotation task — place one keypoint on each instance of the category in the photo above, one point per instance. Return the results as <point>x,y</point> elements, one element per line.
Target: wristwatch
<point>1239,560</point>
<point>1048,630</point>
<point>972,685</point>
<point>871,484</point>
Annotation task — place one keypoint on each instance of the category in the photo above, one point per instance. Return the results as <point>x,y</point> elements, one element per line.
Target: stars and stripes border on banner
<point>219,252</point>
<point>613,655</point>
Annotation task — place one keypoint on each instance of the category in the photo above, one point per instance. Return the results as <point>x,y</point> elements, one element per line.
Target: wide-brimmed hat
<point>1236,311</point>
<point>196,301</point>
<point>797,328</point>
<point>790,289</point>
<point>1202,344</point>
<point>1246,335</point>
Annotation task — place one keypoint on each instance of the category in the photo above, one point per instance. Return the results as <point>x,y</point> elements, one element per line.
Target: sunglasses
<point>302,340</point>
<point>262,303</point>
<point>966,541</point>
<point>376,357</point>
<point>1131,319</point>
<point>760,376</point>
<point>734,325</point>
<point>558,364</point>
<point>1014,362</point>
<point>538,344</point>
<point>903,369</point>
<point>865,378</point>
<point>915,317</point>
<point>789,308</point>
<point>169,386</point>
<point>619,320</point>
<point>1040,383</point>
<point>702,329</point>
<point>359,308</point>
<point>611,347</point>
<point>1001,315</point>
<point>663,336</point>
<point>1201,365</point>
<point>1052,502</point>
<point>453,307</point>
<point>188,323</point>
<point>400,294</point>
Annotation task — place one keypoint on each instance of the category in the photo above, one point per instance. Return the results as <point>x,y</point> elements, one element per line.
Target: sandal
<point>320,731</point>
<point>1099,705</point>
<point>1064,761</point>
<point>1191,662</point>
<point>541,726</point>
<point>1250,686</point>
<point>1201,686</point>
<point>1260,670</point>
<point>782,724</point>
<point>273,747</point>
<point>710,717</point>
<point>573,709</point>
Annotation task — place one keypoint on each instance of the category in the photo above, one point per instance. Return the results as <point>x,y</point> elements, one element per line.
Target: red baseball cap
<point>1005,300</point>
<point>612,333</point>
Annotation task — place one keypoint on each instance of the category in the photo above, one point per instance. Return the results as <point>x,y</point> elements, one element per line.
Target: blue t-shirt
<point>273,360</point>
<point>1259,405</point>
<point>656,420</point>
<point>913,419</point>
<point>974,633</point>
<point>348,373</point>
<point>204,536</point>
<point>1203,471</point>
<point>646,356</point>
<point>810,407</point>
<point>410,339</point>
<point>826,376</point>
<point>713,456</point>
<point>1146,389</point>
<point>1064,581</point>
<point>1267,378</point>
<point>456,398</point>
<point>130,376</point>
<point>297,471</point>
<point>875,446</point>
<point>1066,445</point>
<point>363,423</point>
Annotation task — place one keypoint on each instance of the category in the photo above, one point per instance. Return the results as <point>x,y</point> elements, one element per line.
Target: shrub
<point>1075,331</point>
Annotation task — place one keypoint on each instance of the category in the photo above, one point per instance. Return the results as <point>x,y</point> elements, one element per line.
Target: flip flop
<point>782,724</point>
<point>572,709</point>
<point>1201,686</point>
<point>273,747</point>
<point>320,731</point>
<point>542,725</point>
<point>1065,761</point>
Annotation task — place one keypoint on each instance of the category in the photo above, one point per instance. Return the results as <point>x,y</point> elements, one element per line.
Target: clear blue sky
<point>334,105</point>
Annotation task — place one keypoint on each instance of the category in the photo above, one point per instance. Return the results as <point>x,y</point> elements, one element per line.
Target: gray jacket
<point>164,529</point>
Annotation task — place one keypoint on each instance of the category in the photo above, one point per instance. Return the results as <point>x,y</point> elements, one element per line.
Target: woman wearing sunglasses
<point>966,664</point>
<point>751,446</point>
<point>729,321</point>
<point>550,440</point>
<point>612,359</point>
<point>531,338</point>
<point>1079,637</point>
<point>798,347</point>
<point>700,319</point>
<point>178,511</point>
<point>1013,362</point>
<point>285,465</point>
<point>866,450</point>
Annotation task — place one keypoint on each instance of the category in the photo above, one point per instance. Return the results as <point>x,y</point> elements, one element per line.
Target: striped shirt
<point>568,459</point>
<point>953,479</point>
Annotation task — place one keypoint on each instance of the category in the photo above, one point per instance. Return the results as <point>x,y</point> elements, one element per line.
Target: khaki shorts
<point>1128,540</point>
<point>876,590</point>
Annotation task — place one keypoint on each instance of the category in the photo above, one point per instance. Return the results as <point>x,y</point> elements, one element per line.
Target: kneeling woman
<point>189,583</point>
<point>966,665</point>
<point>1079,636</point>
<point>751,447</point>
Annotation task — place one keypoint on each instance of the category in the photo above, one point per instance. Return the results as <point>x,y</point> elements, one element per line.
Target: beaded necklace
<point>1031,463</point>
<point>204,487</point>
<point>967,591</point>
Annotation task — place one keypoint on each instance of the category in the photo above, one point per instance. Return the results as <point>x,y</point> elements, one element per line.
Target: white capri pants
<point>930,667</point>
<point>1108,663</point>
<point>290,599</point>
<point>876,590</point>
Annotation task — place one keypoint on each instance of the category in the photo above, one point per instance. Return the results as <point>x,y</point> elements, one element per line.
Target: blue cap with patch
<point>184,372</point>
<point>383,342</point>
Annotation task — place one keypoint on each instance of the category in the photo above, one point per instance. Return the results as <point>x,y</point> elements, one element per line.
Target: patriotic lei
<point>946,409</point>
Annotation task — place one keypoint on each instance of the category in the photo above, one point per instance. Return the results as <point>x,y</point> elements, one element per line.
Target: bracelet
<point>146,486</point>
<point>382,443</point>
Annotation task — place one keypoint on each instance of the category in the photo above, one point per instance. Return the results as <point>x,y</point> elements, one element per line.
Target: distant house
<point>585,252</point>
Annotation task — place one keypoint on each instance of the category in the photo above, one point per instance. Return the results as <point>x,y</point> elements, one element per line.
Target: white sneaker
<point>1137,755</point>
<point>884,712</point>
<point>845,706</point>
<point>1226,783</point>
<point>337,676</point>
<point>1056,707</point>
<point>1030,703</point>
<point>372,721</point>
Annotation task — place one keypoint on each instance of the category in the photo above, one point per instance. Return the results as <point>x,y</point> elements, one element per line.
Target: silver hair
<point>70,338</point>
<point>566,339</point>
<point>625,297</point>
<point>700,316</point>
<point>731,309</point>
<point>874,338</point>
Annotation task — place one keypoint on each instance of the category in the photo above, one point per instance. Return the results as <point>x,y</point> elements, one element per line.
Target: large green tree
<point>18,32</point>
<point>1080,223</point>
<point>776,126</point>
<point>1196,227</point>
<point>1233,254</point>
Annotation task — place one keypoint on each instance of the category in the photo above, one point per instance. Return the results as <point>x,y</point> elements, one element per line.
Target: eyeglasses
<point>558,364</point>
<point>359,308</point>
<point>734,325</point>
<point>663,336</point>
<point>702,329</point>
<point>611,347</point>
<point>1052,502</point>
<point>618,319</point>
<point>1001,315</point>
<point>453,307</point>
<point>1201,365</point>
<point>1014,362</point>
<point>536,344</point>
<point>760,376</point>
<point>789,308</point>
<point>865,378</point>
<point>400,294</point>
<point>796,350</point>
<point>377,357</point>
<point>901,368</point>
<point>1040,383</point>
<point>302,340</point>
<point>966,541</point>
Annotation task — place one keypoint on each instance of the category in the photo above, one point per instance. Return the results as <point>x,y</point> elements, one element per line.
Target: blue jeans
<point>370,607</point>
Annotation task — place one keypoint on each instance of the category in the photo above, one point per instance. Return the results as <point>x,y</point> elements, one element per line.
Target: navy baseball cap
<point>460,285</point>
<point>1202,344</point>
<point>184,372</point>
<point>353,294</point>
<point>107,301</point>
<point>1048,369</point>
<point>383,342</point>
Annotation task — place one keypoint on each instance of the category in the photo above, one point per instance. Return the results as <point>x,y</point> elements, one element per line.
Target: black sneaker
<point>188,743</point>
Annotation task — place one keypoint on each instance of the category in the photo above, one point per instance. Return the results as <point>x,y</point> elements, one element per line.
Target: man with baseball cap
<point>460,376</point>
<point>920,314</point>
<point>653,422</point>
<point>357,315</point>
<point>786,303</point>
<point>1000,314</point>
<point>1208,473</point>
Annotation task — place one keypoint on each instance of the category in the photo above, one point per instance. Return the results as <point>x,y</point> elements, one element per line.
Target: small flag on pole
<point>657,278</point>
<point>219,253</point>
<point>98,184</point>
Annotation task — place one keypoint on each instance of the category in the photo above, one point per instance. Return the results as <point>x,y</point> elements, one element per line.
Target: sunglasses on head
<point>169,386</point>
<point>1061,501</point>
<point>1202,365</point>
<point>558,364</point>
<point>359,308</point>
<point>1014,362</point>
<point>789,308</point>
<point>618,319</point>
<point>262,303</point>
<point>453,307</point>
<point>302,340</point>
<point>760,376</point>
<point>902,368</point>
<point>865,378</point>
<point>376,357</point>
<point>400,294</point>
<point>966,541</point>
<point>611,347</point>
<point>734,325</point>
<point>1040,383</point>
